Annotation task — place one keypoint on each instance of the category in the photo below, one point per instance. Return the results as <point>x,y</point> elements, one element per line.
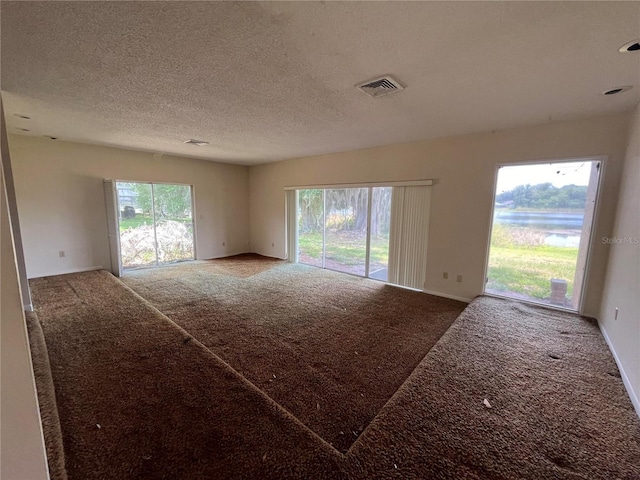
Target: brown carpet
<point>330,348</point>
<point>139,398</point>
<point>242,266</point>
<point>169,408</point>
<point>46,399</point>
<point>558,410</point>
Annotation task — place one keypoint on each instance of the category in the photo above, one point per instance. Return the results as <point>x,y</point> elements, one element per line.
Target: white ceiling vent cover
<point>380,86</point>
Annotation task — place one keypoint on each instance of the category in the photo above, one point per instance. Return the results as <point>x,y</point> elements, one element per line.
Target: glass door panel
<point>346,212</point>
<point>173,222</point>
<point>135,219</point>
<point>380,226</point>
<point>311,227</point>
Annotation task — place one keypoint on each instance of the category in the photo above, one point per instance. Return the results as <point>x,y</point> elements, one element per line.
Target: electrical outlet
<point>273,244</point>
<point>224,244</point>
<point>62,254</point>
<point>445,275</point>
<point>616,315</point>
<point>459,279</point>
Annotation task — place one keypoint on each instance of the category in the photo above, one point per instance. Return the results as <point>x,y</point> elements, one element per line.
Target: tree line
<point>168,201</point>
<point>346,209</point>
<point>544,195</point>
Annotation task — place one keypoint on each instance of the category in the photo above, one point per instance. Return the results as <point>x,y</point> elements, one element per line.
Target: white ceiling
<point>267,81</point>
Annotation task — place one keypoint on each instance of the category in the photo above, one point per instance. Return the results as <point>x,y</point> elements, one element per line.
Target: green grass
<point>345,248</point>
<point>310,244</point>
<point>529,270</point>
<point>140,220</point>
<point>525,270</point>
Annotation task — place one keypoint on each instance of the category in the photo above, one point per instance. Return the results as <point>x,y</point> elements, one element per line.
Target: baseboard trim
<point>625,379</point>
<point>446,295</point>
<point>223,256</point>
<point>271,255</point>
<point>73,270</point>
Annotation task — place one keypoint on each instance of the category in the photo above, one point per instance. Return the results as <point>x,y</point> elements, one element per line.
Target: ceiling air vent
<point>616,90</point>
<point>200,143</point>
<point>380,86</point>
<point>632,46</point>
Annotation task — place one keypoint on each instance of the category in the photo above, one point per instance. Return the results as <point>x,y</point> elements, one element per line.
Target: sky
<point>559,174</point>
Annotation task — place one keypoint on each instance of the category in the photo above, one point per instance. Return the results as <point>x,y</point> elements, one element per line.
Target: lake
<point>562,229</point>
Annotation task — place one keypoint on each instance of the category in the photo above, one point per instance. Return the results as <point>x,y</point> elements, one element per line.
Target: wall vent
<point>200,143</point>
<point>380,86</point>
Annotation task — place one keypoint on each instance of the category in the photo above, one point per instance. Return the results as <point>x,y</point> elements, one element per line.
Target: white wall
<point>622,283</point>
<point>61,200</point>
<point>464,170</point>
<point>22,453</point>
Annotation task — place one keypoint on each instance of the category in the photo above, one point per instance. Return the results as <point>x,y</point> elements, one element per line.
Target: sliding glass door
<point>311,227</point>
<point>345,237</point>
<point>155,223</point>
<point>345,229</point>
<point>173,222</point>
<point>379,232</point>
<point>136,225</point>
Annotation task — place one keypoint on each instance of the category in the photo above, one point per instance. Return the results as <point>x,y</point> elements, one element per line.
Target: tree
<point>144,195</point>
<point>311,206</point>
<point>545,196</point>
<point>172,201</point>
<point>381,211</point>
<point>169,201</point>
<point>346,210</point>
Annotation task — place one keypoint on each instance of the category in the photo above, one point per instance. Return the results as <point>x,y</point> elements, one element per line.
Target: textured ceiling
<point>267,81</point>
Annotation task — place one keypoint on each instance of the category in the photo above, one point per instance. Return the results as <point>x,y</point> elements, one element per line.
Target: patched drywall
<point>463,169</point>
<point>60,196</point>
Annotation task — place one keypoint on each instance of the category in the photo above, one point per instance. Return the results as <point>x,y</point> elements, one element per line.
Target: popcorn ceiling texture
<point>273,80</point>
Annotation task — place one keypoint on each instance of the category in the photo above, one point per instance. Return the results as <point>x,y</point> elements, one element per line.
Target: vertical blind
<point>111,204</point>
<point>410,207</point>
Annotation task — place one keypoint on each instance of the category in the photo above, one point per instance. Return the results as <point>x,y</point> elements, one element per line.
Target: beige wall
<point>61,200</point>
<point>622,284</point>
<point>22,455</point>
<point>464,170</point>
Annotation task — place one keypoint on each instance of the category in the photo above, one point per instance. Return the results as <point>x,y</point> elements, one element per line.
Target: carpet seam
<point>241,377</point>
<point>361,281</point>
<point>401,388</point>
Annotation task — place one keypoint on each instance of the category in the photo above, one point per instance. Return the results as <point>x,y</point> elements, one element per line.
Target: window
<point>541,231</point>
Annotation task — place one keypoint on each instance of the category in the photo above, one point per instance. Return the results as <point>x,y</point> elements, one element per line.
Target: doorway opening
<point>541,231</point>
<point>155,223</point>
